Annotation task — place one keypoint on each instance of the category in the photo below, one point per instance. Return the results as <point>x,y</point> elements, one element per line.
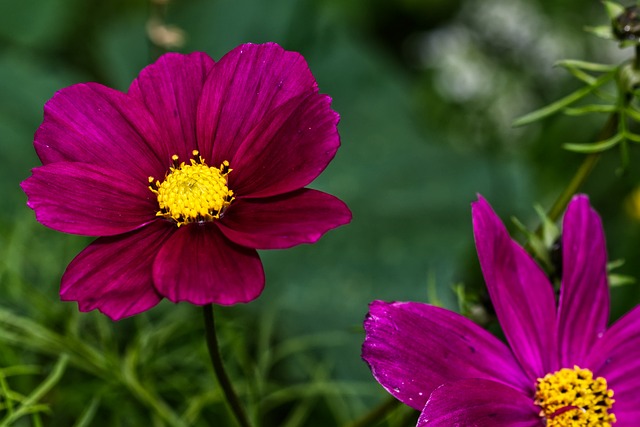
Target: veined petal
<point>87,199</point>
<point>241,89</point>
<point>170,89</point>
<point>281,222</point>
<point>584,296</point>
<point>479,403</point>
<point>290,147</point>
<point>113,274</point>
<point>615,357</point>
<point>199,265</point>
<point>413,348</point>
<point>520,291</point>
<point>91,123</point>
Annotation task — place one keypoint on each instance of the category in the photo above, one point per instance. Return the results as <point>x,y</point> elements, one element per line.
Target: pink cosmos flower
<point>184,176</point>
<point>561,367</point>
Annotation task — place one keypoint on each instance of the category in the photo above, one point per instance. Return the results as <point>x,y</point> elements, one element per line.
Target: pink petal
<point>615,357</point>
<point>242,88</point>
<point>170,89</point>
<point>113,274</point>
<point>479,403</point>
<point>520,291</point>
<point>413,348</point>
<point>86,199</point>
<point>290,147</point>
<point>199,265</point>
<point>91,123</point>
<point>584,296</point>
<point>284,221</point>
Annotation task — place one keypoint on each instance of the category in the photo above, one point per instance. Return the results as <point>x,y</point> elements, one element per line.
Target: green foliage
<point>418,142</point>
<point>621,106</point>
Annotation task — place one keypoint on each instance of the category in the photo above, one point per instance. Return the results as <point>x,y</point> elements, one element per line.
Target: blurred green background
<point>427,91</point>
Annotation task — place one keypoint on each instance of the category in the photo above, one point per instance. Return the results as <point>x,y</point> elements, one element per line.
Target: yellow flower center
<point>573,398</point>
<point>193,192</point>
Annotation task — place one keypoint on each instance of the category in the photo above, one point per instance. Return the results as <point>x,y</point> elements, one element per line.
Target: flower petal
<point>615,357</point>
<point>284,221</point>
<point>290,147</point>
<point>86,199</point>
<point>91,123</point>
<point>170,89</point>
<point>199,265</point>
<point>520,291</point>
<point>113,274</point>
<point>584,296</point>
<point>245,85</point>
<point>479,403</point>
<point>413,348</point>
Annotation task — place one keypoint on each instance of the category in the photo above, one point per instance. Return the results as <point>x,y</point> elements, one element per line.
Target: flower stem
<point>216,360</point>
<point>574,185</point>
<point>583,171</point>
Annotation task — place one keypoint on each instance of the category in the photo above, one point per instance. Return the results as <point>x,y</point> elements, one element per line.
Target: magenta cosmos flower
<point>562,367</point>
<point>184,176</point>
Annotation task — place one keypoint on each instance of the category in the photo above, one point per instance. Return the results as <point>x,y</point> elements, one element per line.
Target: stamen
<point>573,398</point>
<point>193,192</point>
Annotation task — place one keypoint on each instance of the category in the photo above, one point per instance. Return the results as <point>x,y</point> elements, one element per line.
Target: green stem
<point>583,172</point>
<point>216,360</point>
<point>574,185</point>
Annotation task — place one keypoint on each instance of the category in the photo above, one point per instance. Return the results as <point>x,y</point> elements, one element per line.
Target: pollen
<point>573,398</point>
<point>193,192</point>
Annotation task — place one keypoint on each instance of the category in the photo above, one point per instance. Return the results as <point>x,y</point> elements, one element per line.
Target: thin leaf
<point>602,31</point>
<point>584,65</point>
<point>561,103</point>
<point>581,75</point>
<point>87,416</point>
<point>30,403</point>
<point>613,9</point>
<point>616,263</point>
<point>620,280</point>
<point>594,147</point>
<point>632,113</point>
<point>550,231</point>
<point>589,109</point>
<point>634,137</point>
<point>538,248</point>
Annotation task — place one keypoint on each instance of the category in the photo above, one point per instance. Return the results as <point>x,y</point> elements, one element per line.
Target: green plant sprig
<point>618,103</point>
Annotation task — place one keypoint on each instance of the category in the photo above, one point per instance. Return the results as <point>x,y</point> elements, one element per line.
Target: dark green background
<point>426,91</point>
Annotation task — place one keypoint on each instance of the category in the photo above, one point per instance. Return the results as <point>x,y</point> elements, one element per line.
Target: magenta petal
<point>91,123</point>
<point>85,199</point>
<point>584,296</point>
<point>288,149</point>
<point>615,357</point>
<point>520,291</point>
<point>413,348</point>
<point>113,274</point>
<point>170,88</point>
<point>245,85</point>
<point>284,221</point>
<point>479,403</point>
<point>199,265</point>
